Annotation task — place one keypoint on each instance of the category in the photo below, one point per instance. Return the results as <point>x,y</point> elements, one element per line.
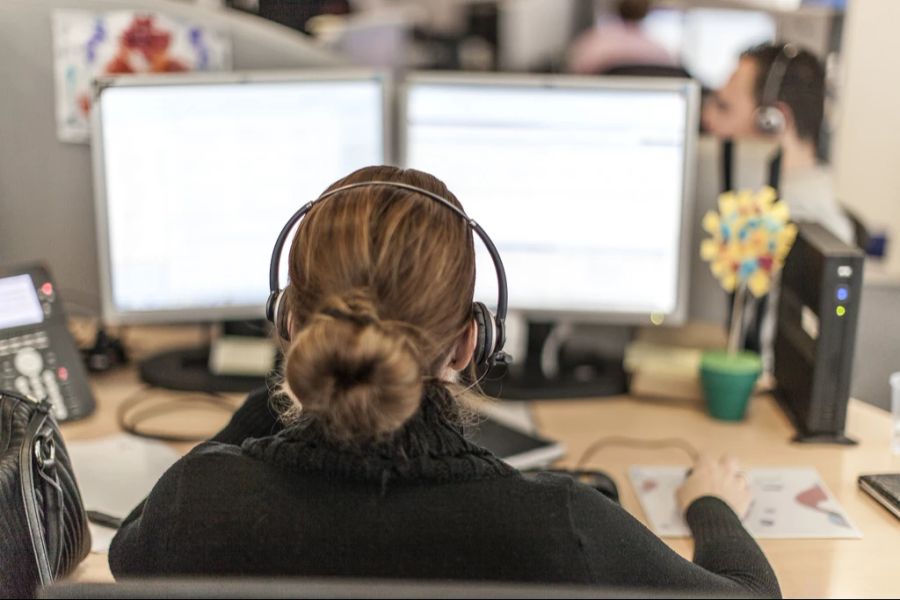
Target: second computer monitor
<point>581,182</point>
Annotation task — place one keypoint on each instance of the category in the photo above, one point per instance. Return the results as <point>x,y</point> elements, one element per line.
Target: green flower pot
<point>728,382</point>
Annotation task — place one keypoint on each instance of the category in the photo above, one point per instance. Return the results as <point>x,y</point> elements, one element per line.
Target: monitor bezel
<point>691,90</point>
<point>113,315</point>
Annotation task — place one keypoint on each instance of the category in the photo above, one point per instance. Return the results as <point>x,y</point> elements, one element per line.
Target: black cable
<point>130,415</point>
<point>628,442</point>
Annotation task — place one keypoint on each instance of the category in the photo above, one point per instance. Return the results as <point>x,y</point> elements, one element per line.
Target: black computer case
<point>818,310</point>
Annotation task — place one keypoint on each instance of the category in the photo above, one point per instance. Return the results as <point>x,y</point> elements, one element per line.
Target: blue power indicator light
<point>842,294</point>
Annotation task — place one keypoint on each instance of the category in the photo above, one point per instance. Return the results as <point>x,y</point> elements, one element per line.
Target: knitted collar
<point>430,446</point>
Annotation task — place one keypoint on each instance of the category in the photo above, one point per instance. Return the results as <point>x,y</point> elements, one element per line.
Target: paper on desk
<point>115,474</point>
<point>788,503</point>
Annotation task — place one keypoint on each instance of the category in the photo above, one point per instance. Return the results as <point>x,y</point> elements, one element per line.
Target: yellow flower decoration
<point>751,236</point>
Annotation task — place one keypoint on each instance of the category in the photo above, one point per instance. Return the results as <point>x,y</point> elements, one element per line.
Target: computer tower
<point>815,339</point>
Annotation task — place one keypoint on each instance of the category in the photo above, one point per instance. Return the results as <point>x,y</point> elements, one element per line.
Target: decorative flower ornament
<point>751,236</point>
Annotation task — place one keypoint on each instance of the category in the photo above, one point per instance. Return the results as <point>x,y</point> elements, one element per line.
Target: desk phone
<point>38,357</point>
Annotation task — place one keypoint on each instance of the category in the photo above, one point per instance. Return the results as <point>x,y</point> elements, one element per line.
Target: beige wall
<point>867,144</point>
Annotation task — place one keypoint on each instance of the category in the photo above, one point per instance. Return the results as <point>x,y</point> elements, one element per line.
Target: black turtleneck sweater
<point>261,501</point>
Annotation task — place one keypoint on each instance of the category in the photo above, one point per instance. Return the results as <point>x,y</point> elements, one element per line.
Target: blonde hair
<point>382,281</point>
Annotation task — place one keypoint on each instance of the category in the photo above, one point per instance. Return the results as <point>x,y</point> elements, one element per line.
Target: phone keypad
<point>12,345</point>
<point>28,366</point>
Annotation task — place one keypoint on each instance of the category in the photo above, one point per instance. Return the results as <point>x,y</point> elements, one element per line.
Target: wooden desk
<point>821,568</point>
<point>805,568</point>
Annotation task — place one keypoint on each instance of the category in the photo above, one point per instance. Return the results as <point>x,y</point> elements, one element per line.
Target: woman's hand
<point>721,478</point>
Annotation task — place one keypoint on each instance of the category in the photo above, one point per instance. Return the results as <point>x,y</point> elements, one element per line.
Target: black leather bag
<point>43,527</point>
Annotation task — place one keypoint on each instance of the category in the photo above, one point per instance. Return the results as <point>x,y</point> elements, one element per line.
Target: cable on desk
<point>628,442</point>
<point>130,415</point>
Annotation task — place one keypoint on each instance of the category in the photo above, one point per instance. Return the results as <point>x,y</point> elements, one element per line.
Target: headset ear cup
<point>478,355</point>
<point>770,120</point>
<point>284,329</point>
<point>271,303</point>
<point>277,316</point>
<point>484,346</point>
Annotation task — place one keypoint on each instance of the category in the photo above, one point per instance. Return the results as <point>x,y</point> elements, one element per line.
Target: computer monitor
<point>709,41</point>
<point>583,184</point>
<point>196,174</point>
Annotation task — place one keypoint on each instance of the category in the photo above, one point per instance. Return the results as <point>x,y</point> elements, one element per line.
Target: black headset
<point>491,333</point>
<point>768,117</point>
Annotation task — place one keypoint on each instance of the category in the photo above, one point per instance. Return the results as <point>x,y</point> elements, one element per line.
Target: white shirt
<point>810,195</point>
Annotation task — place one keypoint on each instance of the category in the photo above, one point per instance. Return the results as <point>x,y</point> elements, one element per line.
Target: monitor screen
<point>19,304</point>
<point>581,183</point>
<point>196,177</point>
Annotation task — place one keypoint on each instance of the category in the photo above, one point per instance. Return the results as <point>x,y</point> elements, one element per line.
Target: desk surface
<point>821,568</point>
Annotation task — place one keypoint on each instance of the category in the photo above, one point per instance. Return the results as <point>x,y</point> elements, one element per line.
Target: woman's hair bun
<point>356,374</point>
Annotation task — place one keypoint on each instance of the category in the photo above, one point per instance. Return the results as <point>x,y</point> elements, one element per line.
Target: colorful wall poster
<point>90,44</point>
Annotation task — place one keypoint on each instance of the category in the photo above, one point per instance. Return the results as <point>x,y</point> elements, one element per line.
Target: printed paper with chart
<point>787,503</point>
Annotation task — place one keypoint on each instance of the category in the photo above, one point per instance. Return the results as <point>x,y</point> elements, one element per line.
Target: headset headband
<point>491,248</point>
<point>775,78</point>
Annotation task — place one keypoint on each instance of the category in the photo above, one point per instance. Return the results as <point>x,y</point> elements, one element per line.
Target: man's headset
<point>770,119</point>
<point>491,333</point>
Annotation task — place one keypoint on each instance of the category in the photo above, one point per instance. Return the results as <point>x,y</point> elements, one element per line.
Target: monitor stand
<point>579,375</point>
<point>187,369</point>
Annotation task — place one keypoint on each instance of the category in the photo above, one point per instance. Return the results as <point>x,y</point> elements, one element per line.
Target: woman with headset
<point>357,467</point>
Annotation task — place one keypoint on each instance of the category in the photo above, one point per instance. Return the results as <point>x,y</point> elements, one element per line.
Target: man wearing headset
<point>777,92</point>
